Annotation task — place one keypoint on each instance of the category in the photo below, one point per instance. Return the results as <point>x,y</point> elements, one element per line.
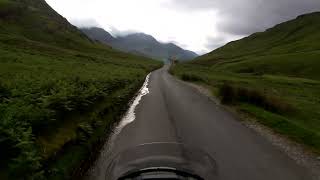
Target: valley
<point>72,99</point>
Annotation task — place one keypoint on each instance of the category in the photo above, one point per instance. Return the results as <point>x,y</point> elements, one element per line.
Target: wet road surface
<point>172,111</point>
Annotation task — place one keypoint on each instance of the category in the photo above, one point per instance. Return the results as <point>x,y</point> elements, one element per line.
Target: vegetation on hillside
<point>272,75</point>
<point>59,91</point>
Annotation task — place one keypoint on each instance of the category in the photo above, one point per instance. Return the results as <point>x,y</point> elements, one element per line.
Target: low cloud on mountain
<point>243,17</point>
<point>198,25</point>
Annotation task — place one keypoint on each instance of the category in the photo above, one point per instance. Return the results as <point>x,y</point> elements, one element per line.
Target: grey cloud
<point>84,23</point>
<point>118,33</point>
<point>243,17</point>
<point>184,46</point>
<point>215,42</point>
<point>192,5</point>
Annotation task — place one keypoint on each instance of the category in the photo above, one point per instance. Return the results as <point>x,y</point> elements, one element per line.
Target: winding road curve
<point>173,111</point>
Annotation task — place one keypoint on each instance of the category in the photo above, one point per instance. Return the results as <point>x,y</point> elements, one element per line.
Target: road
<point>176,112</point>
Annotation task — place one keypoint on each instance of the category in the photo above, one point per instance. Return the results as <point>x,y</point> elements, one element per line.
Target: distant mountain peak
<point>140,36</point>
<point>142,44</point>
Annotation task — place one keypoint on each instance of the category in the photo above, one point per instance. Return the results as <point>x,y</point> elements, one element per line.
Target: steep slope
<point>290,48</point>
<point>149,46</point>
<point>272,76</point>
<point>140,43</point>
<point>98,34</point>
<point>179,53</point>
<point>56,86</point>
<point>36,20</point>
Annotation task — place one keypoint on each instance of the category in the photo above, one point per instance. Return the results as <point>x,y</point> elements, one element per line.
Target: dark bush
<point>4,93</point>
<point>7,150</point>
<point>227,94</point>
<point>171,71</point>
<point>84,132</point>
<point>278,105</point>
<point>10,9</point>
<point>246,70</point>
<point>231,94</point>
<point>191,77</point>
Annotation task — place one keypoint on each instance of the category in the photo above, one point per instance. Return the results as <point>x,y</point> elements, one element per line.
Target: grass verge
<point>289,105</point>
<point>49,99</point>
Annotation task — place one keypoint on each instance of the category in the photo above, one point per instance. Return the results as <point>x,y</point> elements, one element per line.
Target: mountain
<point>36,20</point>
<point>59,91</point>
<point>98,34</point>
<point>290,48</point>
<point>140,43</point>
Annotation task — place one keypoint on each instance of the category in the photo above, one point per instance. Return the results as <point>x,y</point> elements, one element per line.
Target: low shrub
<point>191,77</point>
<point>227,94</point>
<point>10,9</point>
<point>231,94</point>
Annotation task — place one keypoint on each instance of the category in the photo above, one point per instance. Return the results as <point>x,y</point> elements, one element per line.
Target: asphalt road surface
<point>173,111</point>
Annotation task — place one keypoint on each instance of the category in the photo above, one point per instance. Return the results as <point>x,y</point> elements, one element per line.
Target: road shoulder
<point>299,153</point>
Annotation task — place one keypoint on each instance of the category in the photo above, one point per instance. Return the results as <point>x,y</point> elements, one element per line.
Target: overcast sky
<point>197,25</point>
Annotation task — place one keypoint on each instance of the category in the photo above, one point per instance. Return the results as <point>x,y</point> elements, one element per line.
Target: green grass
<point>283,125</point>
<point>288,49</point>
<point>304,64</point>
<point>272,75</point>
<point>39,89</point>
<point>302,94</point>
<point>59,91</point>
<point>285,38</point>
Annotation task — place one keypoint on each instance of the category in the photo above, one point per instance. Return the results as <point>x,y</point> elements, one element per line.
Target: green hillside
<point>291,48</point>
<point>59,91</point>
<point>273,76</point>
<point>34,19</point>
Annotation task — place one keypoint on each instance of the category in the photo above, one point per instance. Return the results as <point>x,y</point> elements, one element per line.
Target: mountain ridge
<point>140,43</point>
<point>288,32</point>
<point>97,35</point>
